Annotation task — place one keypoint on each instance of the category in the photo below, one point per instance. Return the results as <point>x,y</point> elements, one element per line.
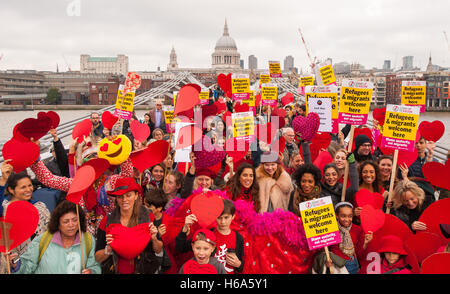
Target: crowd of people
<point>159,198</point>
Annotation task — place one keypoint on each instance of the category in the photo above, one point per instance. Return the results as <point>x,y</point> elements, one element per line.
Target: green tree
<point>53,96</point>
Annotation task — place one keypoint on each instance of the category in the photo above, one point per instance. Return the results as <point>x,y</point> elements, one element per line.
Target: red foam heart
<point>288,98</point>
<point>23,154</point>
<point>423,244</point>
<point>306,126</point>
<point>224,82</point>
<point>221,106</point>
<point>279,112</point>
<point>379,114</point>
<point>187,98</point>
<point>241,107</point>
<point>365,197</point>
<point>35,128</point>
<point>207,207</point>
<point>109,120</point>
<point>257,100</point>
<point>322,159</point>
<point>104,147</point>
<point>181,166</point>
<point>153,154</point>
<point>266,132</point>
<point>321,140</point>
<point>192,267</point>
<point>437,173</point>
<point>140,131</point>
<point>188,136</point>
<point>362,131</point>
<point>432,131</point>
<point>18,136</point>
<point>435,214</point>
<point>438,263</point>
<point>54,117</point>
<point>81,130</point>
<point>129,242</point>
<point>84,177</point>
<point>372,219</point>
<point>100,165</point>
<point>23,218</point>
<point>236,148</point>
<point>117,141</point>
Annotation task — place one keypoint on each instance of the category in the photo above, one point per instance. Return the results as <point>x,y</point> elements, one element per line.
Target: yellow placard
<point>269,92</point>
<point>307,81</point>
<point>334,102</point>
<point>168,116</point>
<point>264,79</point>
<point>125,103</point>
<point>251,100</point>
<point>413,95</point>
<point>243,124</point>
<point>275,69</point>
<point>174,99</point>
<point>400,125</point>
<point>319,221</point>
<point>327,75</point>
<point>355,100</point>
<point>240,86</point>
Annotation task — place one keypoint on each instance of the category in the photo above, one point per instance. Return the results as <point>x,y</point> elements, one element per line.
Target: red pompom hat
<point>392,243</point>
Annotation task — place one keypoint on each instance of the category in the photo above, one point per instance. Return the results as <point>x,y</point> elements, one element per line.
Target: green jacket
<point>57,259</point>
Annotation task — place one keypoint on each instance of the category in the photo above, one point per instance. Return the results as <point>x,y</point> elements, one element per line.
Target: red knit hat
<point>210,237</point>
<point>392,243</point>
<point>123,185</point>
<point>205,172</point>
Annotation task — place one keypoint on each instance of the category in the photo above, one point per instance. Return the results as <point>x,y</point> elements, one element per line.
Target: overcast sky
<point>37,34</point>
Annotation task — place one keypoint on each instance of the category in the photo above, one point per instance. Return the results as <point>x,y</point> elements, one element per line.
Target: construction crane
<point>312,61</point>
<point>68,65</point>
<point>446,39</point>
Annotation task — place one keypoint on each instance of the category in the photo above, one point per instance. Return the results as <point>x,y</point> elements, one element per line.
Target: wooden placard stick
<point>166,169</point>
<point>349,149</point>
<point>5,241</point>
<point>327,252</point>
<point>393,175</point>
<point>81,238</point>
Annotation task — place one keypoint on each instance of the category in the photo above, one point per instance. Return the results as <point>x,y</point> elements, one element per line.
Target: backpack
<point>47,237</point>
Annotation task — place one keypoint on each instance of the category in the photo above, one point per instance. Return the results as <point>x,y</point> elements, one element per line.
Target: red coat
<point>357,235</point>
<point>399,264</point>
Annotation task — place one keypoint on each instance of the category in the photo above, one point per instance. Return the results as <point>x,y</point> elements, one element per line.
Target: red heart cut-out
<point>18,136</point>
<point>437,263</point>
<point>322,159</point>
<point>288,98</point>
<point>207,207</point>
<point>241,107</point>
<point>365,197</point>
<point>100,165</point>
<point>23,154</point>
<point>117,141</point>
<point>109,120</point>
<point>35,128</point>
<point>423,244</point>
<point>81,130</point>
<point>266,132</point>
<point>321,140</point>
<point>187,98</point>
<point>153,154</point>
<point>437,173</point>
<point>379,114</point>
<point>221,106</point>
<point>306,126</point>
<point>188,136</point>
<point>372,219</point>
<point>224,82</point>
<point>432,131</point>
<point>140,131</point>
<point>192,267</point>
<point>23,219</point>
<point>236,148</point>
<point>84,177</point>
<point>435,214</point>
<point>129,242</point>
<point>257,100</point>
<point>54,117</point>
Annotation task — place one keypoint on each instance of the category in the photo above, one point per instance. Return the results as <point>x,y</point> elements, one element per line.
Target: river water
<point>8,119</point>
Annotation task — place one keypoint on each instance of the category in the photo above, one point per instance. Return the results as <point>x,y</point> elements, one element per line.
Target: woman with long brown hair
<point>243,185</point>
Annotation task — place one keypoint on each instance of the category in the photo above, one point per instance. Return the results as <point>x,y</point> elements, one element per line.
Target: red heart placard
<point>153,154</point>
<point>187,98</point>
<point>109,120</point>
<point>241,107</point>
<point>100,165</point>
<point>432,131</point>
<point>23,154</point>
<point>81,130</point>
<point>181,166</point>
<point>35,128</point>
<point>437,173</point>
<point>266,132</point>
<point>236,148</point>
<point>207,207</point>
<point>423,244</point>
<point>221,106</point>
<point>288,98</point>
<point>372,219</point>
<point>435,214</point>
<point>438,263</point>
<point>224,82</point>
<point>17,136</point>
<point>23,218</point>
<point>321,140</point>
<point>322,159</point>
<point>192,267</point>
<point>84,177</point>
<point>54,117</point>
<point>365,197</point>
<point>188,136</point>
<point>257,100</point>
<point>140,131</point>
<point>379,114</point>
<point>129,242</point>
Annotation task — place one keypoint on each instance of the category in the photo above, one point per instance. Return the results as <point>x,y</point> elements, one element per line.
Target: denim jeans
<point>352,265</point>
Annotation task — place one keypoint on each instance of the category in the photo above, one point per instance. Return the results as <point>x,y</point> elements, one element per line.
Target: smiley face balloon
<point>116,151</point>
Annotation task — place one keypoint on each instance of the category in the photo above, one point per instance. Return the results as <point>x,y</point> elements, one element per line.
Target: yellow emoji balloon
<point>116,151</point>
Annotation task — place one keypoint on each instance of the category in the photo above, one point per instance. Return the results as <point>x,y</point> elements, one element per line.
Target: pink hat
<point>392,243</point>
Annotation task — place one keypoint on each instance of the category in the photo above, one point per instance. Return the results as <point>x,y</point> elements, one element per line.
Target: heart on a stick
<point>308,126</point>
<point>54,117</point>
<point>187,98</point>
<point>432,131</point>
<point>236,148</point>
<point>140,131</point>
<point>84,177</point>
<point>192,267</point>
<point>437,263</point>
<point>109,120</point>
<point>435,215</point>
<point>23,154</point>
<point>35,128</point>
<point>437,173</point>
<point>379,114</point>
<point>188,136</point>
<point>423,244</point>
<point>21,221</point>
<point>365,197</point>
<point>288,98</point>
<point>241,107</point>
<point>129,242</point>
<point>266,132</point>
<point>153,154</point>
<point>224,82</point>
<point>372,219</point>
<point>82,130</point>
<point>207,207</point>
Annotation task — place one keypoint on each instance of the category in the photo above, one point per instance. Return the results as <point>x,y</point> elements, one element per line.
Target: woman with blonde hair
<point>408,203</point>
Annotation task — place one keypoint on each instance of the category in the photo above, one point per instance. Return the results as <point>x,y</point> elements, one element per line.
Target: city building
<point>104,65</point>
<point>173,64</point>
<point>252,62</point>
<point>437,90</point>
<point>387,65</point>
<point>288,64</point>
<point>408,63</point>
<point>394,85</point>
<point>241,64</point>
<point>225,55</point>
